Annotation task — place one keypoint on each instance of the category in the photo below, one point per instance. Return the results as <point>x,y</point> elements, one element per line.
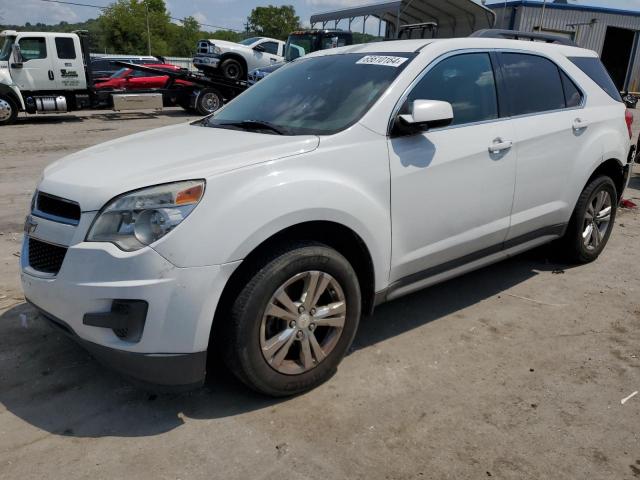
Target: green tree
<point>274,22</point>
<point>185,37</point>
<point>124,27</point>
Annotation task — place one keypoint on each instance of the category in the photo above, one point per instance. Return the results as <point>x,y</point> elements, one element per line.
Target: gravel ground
<point>516,371</point>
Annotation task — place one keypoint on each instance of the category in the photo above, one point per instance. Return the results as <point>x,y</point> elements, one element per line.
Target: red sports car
<point>129,79</point>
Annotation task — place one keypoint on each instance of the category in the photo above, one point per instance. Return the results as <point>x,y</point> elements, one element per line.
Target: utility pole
<point>146,6</point>
<point>544,6</point>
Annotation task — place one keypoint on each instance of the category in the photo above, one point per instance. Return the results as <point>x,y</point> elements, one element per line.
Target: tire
<point>267,351</point>
<point>585,240</point>
<point>8,110</point>
<point>232,69</point>
<point>209,100</point>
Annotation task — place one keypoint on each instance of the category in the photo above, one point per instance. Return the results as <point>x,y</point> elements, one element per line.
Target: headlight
<point>140,218</point>
<point>216,50</point>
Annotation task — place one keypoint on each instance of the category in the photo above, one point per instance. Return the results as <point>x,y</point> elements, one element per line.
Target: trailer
<point>50,72</point>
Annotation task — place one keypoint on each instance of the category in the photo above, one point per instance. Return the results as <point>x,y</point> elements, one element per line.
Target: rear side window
<point>572,94</point>
<point>65,48</point>
<point>534,84</point>
<point>595,69</point>
<point>465,81</point>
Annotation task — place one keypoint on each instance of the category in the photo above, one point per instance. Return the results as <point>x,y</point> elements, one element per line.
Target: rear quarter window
<point>594,68</point>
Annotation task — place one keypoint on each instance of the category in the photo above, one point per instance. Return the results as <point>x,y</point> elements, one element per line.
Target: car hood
<point>226,44</point>
<point>183,152</point>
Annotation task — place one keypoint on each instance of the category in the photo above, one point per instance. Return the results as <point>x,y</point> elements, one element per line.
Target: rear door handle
<point>499,145</point>
<point>51,75</point>
<point>579,124</point>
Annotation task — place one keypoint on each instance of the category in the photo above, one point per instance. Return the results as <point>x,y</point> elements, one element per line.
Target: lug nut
<point>300,309</point>
<point>292,324</point>
<point>300,335</point>
<point>313,311</point>
<point>312,327</point>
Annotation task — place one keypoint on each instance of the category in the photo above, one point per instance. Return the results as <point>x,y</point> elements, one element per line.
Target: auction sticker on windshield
<point>383,60</point>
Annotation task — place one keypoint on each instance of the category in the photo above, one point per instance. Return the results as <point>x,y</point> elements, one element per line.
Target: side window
<point>33,48</point>
<point>270,47</point>
<point>572,94</point>
<point>467,82</point>
<point>534,83</point>
<point>65,48</point>
<point>593,67</point>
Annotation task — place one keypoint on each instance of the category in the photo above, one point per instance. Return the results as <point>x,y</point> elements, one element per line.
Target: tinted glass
<point>534,83</point>
<point>466,82</point>
<point>572,94</point>
<point>5,52</point>
<point>249,41</point>
<point>65,48</point>
<point>321,95</point>
<point>595,69</point>
<point>33,48</point>
<point>270,47</point>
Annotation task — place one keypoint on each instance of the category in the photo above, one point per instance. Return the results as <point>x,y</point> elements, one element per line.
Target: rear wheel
<point>592,221</point>
<point>292,324</point>
<point>8,110</point>
<point>209,101</point>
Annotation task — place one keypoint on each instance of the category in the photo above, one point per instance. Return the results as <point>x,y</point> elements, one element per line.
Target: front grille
<point>45,257</point>
<point>58,207</point>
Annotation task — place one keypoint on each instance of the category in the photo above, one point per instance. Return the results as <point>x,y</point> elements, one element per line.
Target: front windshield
<point>321,95</point>
<point>249,41</point>
<point>5,53</point>
<point>299,45</point>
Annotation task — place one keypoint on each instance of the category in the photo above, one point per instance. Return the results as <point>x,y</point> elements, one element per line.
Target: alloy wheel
<point>303,322</point>
<point>597,220</point>
<point>5,110</point>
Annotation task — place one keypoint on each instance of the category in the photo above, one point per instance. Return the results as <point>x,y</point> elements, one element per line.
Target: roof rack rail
<point>517,35</point>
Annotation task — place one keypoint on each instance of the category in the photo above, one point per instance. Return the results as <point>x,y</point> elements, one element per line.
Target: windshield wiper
<point>254,125</point>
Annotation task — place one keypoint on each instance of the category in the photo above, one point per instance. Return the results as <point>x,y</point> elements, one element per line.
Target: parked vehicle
<point>264,232</point>
<point>129,79</point>
<point>104,67</point>
<point>301,43</point>
<point>50,72</point>
<point>234,60</point>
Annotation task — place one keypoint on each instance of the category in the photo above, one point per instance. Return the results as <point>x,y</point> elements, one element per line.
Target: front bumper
<point>180,304</point>
<point>182,371</point>
<point>205,62</point>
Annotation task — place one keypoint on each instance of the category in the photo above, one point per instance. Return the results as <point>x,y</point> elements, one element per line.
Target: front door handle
<point>499,145</point>
<point>51,75</point>
<point>579,124</point>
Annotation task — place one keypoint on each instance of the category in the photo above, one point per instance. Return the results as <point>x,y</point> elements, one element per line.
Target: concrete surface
<point>513,372</point>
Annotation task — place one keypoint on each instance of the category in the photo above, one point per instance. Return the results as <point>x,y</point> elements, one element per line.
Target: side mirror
<point>259,48</point>
<point>427,114</point>
<point>18,59</point>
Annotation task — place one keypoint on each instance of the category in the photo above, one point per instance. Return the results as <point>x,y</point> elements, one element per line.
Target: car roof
<point>411,46</point>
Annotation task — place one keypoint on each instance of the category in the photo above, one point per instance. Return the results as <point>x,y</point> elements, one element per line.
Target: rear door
<point>36,72</point>
<point>550,126</point>
<point>68,66</point>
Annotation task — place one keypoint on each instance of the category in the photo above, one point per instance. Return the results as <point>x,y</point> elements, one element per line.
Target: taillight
<point>628,116</point>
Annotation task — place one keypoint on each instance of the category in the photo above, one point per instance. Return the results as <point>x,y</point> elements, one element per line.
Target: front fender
<point>242,209</point>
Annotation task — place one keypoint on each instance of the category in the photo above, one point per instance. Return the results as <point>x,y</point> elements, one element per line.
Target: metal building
<point>454,18</point>
<point>610,32</point>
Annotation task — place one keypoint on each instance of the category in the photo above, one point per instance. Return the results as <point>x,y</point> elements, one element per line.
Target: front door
<point>452,188</point>
<point>35,73</point>
<point>68,67</point>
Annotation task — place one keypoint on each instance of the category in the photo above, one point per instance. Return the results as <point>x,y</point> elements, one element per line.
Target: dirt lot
<point>513,372</point>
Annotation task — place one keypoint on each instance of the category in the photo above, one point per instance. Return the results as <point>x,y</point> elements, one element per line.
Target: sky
<point>223,13</point>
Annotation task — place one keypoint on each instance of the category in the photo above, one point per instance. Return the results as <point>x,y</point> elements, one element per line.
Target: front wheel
<point>294,321</point>
<point>592,222</point>
<point>232,70</point>
<point>8,110</point>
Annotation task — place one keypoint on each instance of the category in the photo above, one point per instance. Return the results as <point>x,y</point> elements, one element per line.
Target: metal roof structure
<point>455,18</point>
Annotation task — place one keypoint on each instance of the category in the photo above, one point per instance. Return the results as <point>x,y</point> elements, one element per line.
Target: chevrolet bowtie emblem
<point>30,225</point>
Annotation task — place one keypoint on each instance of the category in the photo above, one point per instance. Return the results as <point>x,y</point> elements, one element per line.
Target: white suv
<point>347,178</point>
<point>234,60</point>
